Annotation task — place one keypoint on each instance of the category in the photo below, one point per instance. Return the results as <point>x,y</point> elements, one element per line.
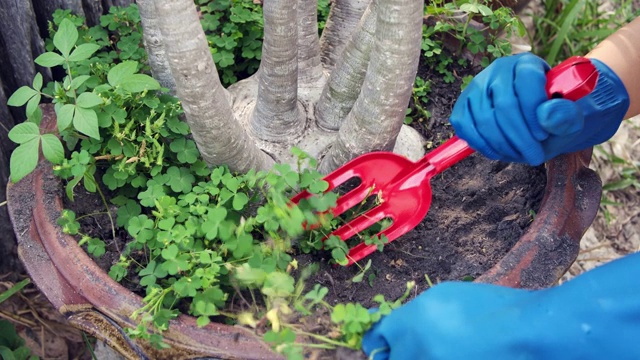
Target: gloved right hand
<point>505,114</point>
<point>595,316</point>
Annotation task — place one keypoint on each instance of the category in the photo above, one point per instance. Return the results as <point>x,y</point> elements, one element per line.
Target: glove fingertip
<point>560,117</point>
<point>530,59</point>
<point>375,344</point>
<point>534,154</point>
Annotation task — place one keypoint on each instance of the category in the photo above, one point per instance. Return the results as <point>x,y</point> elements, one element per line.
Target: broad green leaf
<point>250,276</point>
<point>21,96</point>
<point>83,52</point>
<point>66,37</point>
<point>117,272</point>
<point>202,321</point>
<point>88,100</point>
<point>239,201</point>
<point>37,82</point>
<point>469,8</point>
<point>317,294</point>
<point>86,122</point>
<point>52,148</point>
<point>71,185</point>
<point>78,81</point>
<point>24,159</point>
<point>65,116</point>
<point>49,59</point>
<point>127,211</point>
<point>36,116</point>
<point>121,71</point>
<point>484,10</point>
<point>139,83</point>
<point>339,313</point>
<point>24,132</point>
<point>278,284</point>
<point>32,104</point>
<point>139,223</point>
<point>6,353</point>
<point>211,225</point>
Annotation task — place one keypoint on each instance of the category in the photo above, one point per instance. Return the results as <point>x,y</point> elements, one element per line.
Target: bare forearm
<point>621,52</point>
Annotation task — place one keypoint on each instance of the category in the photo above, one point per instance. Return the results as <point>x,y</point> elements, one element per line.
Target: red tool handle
<point>572,79</point>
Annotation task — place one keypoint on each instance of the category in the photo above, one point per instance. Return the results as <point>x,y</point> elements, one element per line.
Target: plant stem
<point>85,215</point>
<point>317,337</point>
<point>89,346</point>
<point>106,205</point>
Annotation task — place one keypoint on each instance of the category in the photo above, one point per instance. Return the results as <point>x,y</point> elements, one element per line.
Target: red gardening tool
<point>402,186</point>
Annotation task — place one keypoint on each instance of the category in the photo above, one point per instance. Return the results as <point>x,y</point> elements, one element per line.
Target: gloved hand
<point>505,114</point>
<point>594,316</point>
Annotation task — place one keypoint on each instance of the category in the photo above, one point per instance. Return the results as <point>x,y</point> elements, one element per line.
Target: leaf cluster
<point>573,27</point>
<point>199,235</point>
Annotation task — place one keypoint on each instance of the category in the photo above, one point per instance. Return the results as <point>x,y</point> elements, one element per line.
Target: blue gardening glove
<point>594,316</point>
<point>505,114</point>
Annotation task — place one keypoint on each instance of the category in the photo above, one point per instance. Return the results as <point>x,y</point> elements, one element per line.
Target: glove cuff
<point>610,93</point>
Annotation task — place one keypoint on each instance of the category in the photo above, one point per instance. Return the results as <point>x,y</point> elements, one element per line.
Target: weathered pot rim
<point>94,302</point>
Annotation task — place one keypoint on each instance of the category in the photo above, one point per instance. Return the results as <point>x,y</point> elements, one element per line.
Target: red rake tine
<point>366,168</point>
<point>407,199</point>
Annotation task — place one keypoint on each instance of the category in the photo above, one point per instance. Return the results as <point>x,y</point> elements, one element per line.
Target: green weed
<point>573,27</point>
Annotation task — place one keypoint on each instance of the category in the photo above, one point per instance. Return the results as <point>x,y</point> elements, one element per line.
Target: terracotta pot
<point>93,302</point>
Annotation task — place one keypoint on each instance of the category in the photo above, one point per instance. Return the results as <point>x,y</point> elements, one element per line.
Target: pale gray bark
<point>154,46</point>
<point>309,65</point>
<point>343,19</point>
<point>220,139</point>
<point>377,115</point>
<point>343,88</point>
<point>275,116</point>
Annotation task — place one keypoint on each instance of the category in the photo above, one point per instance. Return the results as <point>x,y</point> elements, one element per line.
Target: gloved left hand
<point>594,316</point>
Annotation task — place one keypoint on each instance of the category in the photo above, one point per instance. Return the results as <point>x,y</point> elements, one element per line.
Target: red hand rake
<point>403,187</point>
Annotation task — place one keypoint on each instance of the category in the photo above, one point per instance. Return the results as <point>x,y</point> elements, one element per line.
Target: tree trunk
<point>374,124</point>
<point>221,140</point>
<point>154,46</point>
<point>342,22</point>
<point>347,77</point>
<point>275,109</point>
<point>276,117</point>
